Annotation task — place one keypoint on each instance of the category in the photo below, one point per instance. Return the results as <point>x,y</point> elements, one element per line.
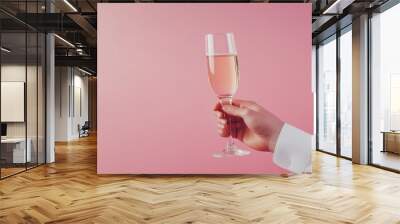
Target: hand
<point>250,123</point>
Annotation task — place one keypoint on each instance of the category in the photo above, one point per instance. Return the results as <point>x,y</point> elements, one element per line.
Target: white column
<point>50,100</point>
<point>50,92</point>
<point>360,90</point>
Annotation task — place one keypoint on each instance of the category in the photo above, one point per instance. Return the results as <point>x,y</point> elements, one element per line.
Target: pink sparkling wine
<point>223,74</point>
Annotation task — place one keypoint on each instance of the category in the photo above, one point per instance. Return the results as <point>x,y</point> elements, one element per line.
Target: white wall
<point>70,83</point>
<point>79,117</point>
<point>15,72</point>
<point>62,82</point>
<point>10,73</point>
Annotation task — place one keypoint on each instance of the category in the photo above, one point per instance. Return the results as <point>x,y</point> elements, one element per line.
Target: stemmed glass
<point>223,74</point>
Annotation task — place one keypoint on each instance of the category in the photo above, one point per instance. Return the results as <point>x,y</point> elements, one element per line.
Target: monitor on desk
<point>3,130</point>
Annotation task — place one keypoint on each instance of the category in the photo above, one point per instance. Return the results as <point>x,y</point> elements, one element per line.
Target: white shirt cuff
<point>293,150</point>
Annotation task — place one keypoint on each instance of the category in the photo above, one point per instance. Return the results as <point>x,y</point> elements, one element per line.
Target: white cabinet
<point>17,146</point>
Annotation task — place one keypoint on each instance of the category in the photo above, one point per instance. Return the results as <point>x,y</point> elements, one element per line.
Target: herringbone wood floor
<point>69,191</point>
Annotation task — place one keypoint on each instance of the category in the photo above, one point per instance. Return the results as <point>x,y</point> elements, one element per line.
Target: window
<point>346,93</point>
<point>334,106</point>
<point>394,102</point>
<point>327,95</point>
<point>385,89</point>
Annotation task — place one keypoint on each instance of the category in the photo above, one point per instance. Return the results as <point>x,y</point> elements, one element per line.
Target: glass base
<point>232,152</point>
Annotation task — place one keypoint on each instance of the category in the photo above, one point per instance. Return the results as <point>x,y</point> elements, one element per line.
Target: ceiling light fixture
<point>5,50</point>
<point>79,51</point>
<point>84,71</point>
<point>70,5</point>
<point>65,41</point>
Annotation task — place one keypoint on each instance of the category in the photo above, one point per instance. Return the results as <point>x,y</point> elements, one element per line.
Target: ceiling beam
<point>337,7</point>
<point>83,61</point>
<point>84,24</point>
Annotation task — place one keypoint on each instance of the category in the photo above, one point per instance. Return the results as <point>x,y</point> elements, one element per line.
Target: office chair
<point>84,130</point>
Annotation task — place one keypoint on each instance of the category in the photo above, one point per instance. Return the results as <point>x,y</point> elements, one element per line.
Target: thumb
<point>235,111</point>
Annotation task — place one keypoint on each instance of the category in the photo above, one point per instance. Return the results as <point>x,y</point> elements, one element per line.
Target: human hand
<point>250,123</point>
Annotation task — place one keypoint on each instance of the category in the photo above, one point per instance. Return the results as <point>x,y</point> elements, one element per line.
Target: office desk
<point>391,141</point>
<point>13,150</point>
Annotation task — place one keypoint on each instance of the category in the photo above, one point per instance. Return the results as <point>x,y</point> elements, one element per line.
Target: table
<point>391,141</point>
<point>13,150</point>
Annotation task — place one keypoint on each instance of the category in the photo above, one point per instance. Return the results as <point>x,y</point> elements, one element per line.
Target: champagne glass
<point>223,74</point>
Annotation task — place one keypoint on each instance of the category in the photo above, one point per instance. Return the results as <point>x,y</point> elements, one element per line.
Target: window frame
<point>335,36</point>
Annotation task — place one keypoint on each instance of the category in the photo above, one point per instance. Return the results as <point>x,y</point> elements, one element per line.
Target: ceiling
<point>76,22</point>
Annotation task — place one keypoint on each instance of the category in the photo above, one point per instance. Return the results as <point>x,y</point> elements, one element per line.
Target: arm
<point>262,130</point>
<point>293,150</point>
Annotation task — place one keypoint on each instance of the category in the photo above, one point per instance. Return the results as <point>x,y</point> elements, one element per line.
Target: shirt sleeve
<point>293,150</point>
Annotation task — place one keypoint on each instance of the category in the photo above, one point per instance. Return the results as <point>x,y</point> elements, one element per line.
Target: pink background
<point>154,100</point>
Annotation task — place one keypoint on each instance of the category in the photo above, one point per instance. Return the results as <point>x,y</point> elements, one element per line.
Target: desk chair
<point>84,130</point>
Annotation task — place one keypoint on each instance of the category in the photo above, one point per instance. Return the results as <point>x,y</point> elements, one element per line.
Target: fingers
<point>221,124</point>
<point>219,114</point>
<point>239,103</point>
<point>235,110</point>
<point>249,104</point>
<point>222,127</point>
<point>226,128</point>
<point>223,114</point>
<point>218,107</point>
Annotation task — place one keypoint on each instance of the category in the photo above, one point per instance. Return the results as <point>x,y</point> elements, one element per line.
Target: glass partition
<point>22,90</point>
<point>14,153</point>
<point>32,96</point>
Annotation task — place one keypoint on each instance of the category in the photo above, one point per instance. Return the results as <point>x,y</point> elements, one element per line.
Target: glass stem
<point>230,144</point>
